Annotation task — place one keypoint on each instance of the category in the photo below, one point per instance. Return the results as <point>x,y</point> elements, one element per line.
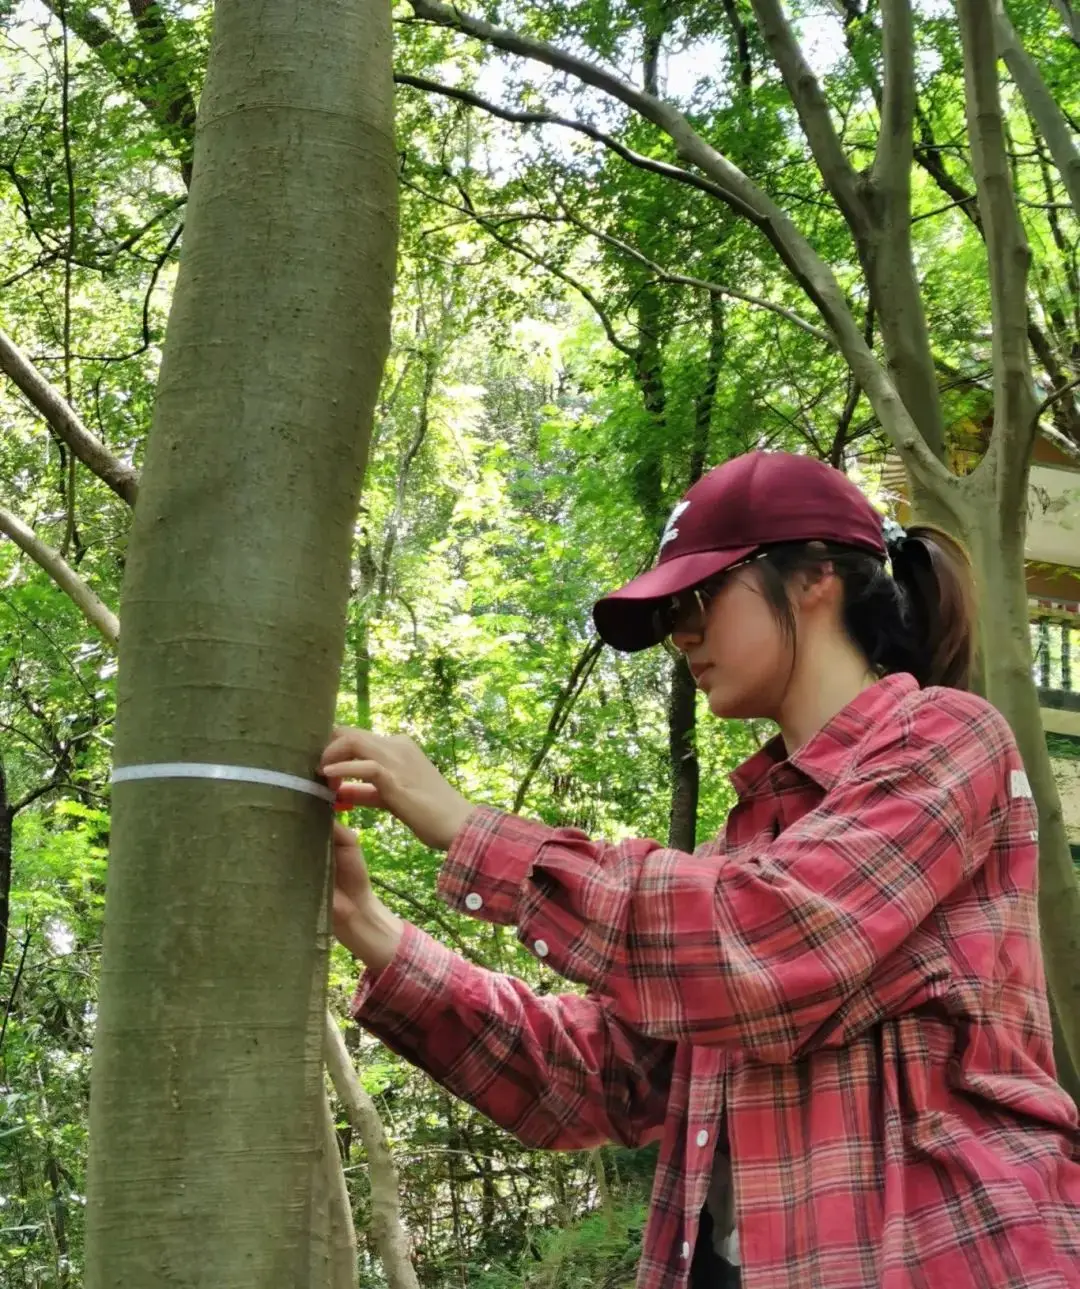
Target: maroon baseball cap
<point>755,500</point>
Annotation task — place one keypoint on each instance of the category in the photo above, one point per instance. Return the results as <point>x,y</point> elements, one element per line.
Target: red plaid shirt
<point>850,979</point>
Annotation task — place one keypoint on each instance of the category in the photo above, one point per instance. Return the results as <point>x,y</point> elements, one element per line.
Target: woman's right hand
<point>392,773</point>
<point>363,924</point>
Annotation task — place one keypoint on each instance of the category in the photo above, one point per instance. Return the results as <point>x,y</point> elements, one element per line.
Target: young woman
<point>833,1017</point>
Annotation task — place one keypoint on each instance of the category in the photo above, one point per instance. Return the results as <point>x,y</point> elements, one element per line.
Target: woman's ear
<point>817,586</point>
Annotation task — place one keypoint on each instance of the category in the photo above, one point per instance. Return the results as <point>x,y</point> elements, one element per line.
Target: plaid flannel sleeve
<point>559,1072</point>
<point>805,944</point>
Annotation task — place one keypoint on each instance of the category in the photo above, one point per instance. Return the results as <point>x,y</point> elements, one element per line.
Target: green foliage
<point>599,1252</point>
<point>548,394</point>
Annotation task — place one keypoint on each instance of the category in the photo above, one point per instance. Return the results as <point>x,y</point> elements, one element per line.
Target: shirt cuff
<point>486,868</point>
<point>397,998</point>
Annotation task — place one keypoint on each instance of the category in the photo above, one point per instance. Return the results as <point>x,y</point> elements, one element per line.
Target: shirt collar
<point>826,757</point>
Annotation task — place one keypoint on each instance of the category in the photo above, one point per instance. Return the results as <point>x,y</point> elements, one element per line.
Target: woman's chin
<point>727,706</point>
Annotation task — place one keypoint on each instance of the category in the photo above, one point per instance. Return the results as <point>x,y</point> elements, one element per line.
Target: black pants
<point>708,1270</point>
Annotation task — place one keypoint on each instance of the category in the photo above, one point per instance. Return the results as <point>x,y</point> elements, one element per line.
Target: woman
<point>834,1017</point>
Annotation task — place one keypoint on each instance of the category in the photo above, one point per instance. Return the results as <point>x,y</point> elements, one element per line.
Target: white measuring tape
<point>236,773</point>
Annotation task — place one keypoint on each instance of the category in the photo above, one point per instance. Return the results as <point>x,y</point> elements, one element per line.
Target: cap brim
<point>626,619</point>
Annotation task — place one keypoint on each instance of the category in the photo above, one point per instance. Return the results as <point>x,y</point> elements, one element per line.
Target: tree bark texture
<point>998,559</point>
<point>205,1103</point>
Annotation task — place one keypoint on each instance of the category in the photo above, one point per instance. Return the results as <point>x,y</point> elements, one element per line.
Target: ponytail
<point>937,590</point>
<point>920,619</point>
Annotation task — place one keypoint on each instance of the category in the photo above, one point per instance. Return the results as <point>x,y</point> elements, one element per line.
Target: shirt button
<point>474,901</point>
<point>685,1251</point>
<point>703,1138</point>
<point>540,948</point>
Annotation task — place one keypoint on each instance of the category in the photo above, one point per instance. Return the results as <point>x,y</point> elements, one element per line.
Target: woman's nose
<point>684,638</point>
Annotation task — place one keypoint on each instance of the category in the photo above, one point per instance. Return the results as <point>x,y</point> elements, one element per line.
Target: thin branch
<point>660,273</point>
<point>54,780</point>
<point>560,712</point>
<point>810,103</point>
<point>742,44</point>
<point>715,288</point>
<point>528,254</point>
<point>71,535</point>
<point>50,403</point>
<point>133,239</point>
<point>423,423</point>
<point>97,613</point>
<point>663,168</point>
<point>1015,426</point>
<point>1049,116</point>
<point>15,986</point>
<point>1054,397</point>
<point>428,914</point>
<point>1070,17</point>
<point>744,197</point>
<point>941,210</point>
<point>1063,444</point>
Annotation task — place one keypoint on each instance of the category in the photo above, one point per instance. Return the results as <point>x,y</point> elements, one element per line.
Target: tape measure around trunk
<point>234,773</point>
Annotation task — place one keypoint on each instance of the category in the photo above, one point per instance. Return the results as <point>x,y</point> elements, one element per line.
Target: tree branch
<point>878,212</point>
<point>560,713</point>
<point>891,173</point>
<point>1049,117</point>
<point>810,103</point>
<point>745,198</point>
<point>662,168</point>
<point>1015,423</point>
<point>423,422</point>
<point>528,254</point>
<point>50,403</point>
<point>97,613</point>
<point>1071,18</point>
<point>715,288</point>
<point>928,155</point>
<point>1053,397</point>
<point>174,103</point>
<point>332,1257</point>
<point>386,1227</point>
<point>171,107</point>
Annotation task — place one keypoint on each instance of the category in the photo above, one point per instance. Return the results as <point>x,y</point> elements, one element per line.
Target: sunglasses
<point>685,612</point>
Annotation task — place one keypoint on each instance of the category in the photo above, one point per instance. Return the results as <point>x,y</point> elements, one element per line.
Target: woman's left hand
<point>395,775</point>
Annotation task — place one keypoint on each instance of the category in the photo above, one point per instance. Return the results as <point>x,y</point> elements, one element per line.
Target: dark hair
<point>921,619</point>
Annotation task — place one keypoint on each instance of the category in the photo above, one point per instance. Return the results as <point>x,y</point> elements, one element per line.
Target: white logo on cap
<point>670,531</point>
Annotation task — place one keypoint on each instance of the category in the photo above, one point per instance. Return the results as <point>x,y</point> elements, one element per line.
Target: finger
<point>350,871</point>
<point>349,796</point>
<point>344,836</point>
<point>348,743</point>
<point>367,771</point>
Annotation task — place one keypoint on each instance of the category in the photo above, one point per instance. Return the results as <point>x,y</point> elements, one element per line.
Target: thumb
<point>351,876</point>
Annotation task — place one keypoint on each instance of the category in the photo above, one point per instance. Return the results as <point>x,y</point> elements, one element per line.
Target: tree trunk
<point>6,821</point>
<point>682,749</point>
<point>682,700</point>
<point>205,1103</point>
<point>999,564</point>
